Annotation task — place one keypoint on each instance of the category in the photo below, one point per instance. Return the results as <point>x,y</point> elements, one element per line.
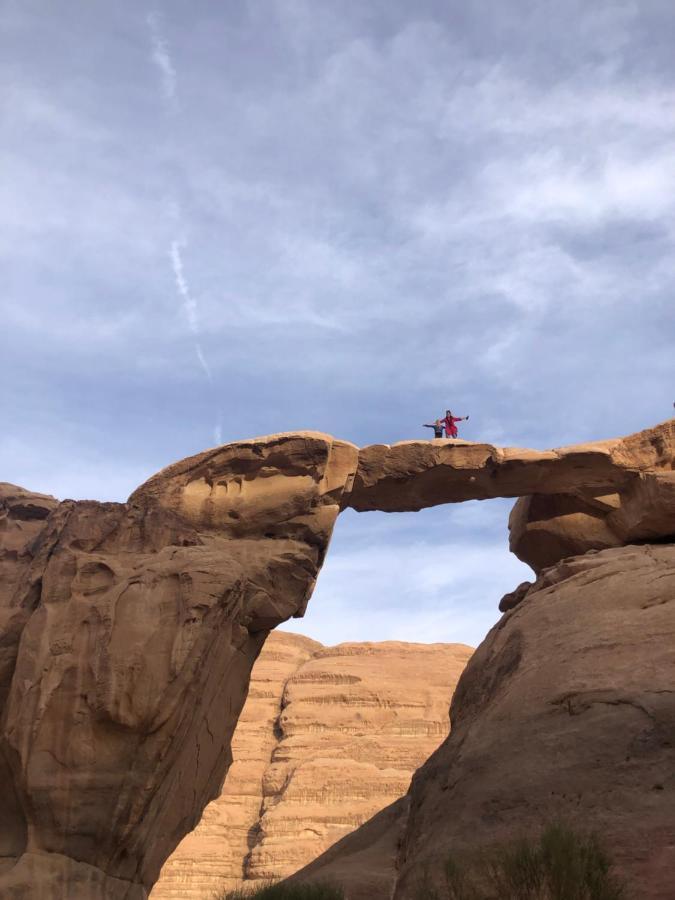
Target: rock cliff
<point>128,631</point>
<point>565,712</point>
<point>128,636</point>
<point>327,737</point>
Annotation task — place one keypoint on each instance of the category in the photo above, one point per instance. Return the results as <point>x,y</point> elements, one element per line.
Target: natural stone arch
<point>129,630</point>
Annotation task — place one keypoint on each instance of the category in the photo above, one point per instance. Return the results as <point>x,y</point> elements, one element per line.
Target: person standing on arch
<point>437,426</point>
<point>450,426</point>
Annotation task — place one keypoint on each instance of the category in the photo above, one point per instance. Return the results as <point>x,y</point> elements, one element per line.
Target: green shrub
<point>286,892</point>
<point>560,865</point>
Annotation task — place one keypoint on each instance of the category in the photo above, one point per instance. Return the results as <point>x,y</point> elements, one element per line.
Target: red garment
<point>450,427</point>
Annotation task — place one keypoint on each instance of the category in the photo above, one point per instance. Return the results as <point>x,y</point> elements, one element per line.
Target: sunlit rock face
<point>566,712</point>
<point>547,527</point>
<point>128,631</point>
<point>413,475</point>
<point>129,634</point>
<point>327,737</point>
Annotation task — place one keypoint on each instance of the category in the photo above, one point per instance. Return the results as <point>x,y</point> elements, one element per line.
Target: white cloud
<point>388,209</point>
<point>445,591</point>
<point>434,575</point>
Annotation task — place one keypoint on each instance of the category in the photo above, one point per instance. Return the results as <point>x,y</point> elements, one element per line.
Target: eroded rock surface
<point>547,527</point>
<point>130,633</point>
<point>213,857</point>
<point>327,737</point>
<point>413,475</point>
<point>129,630</point>
<point>565,712</point>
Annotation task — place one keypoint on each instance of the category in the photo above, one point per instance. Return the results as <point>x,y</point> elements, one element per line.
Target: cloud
<point>401,580</point>
<point>434,575</point>
<point>390,210</point>
<point>161,57</point>
<point>189,304</point>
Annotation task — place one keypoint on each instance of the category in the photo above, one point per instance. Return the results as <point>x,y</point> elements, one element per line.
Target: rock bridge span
<point>128,630</point>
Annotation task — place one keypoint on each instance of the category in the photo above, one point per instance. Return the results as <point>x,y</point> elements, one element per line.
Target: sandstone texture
<point>128,631</point>
<point>413,475</point>
<point>128,636</point>
<point>566,711</point>
<point>327,737</point>
<point>547,526</point>
<point>213,857</point>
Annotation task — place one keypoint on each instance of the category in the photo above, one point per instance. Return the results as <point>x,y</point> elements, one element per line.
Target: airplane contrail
<point>161,58</point>
<point>189,303</point>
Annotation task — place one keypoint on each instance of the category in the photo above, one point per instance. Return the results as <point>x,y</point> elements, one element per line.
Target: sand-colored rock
<point>545,528</point>
<point>141,622</point>
<point>212,858</point>
<point>364,863</point>
<point>565,711</point>
<point>357,720</point>
<point>327,737</point>
<point>413,475</point>
<point>129,630</point>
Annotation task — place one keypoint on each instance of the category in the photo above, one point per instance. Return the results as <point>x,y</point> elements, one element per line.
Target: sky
<point>227,219</point>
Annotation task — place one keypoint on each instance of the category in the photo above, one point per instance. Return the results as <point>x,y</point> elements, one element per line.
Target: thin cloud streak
<point>189,304</point>
<point>387,214</point>
<point>161,58</point>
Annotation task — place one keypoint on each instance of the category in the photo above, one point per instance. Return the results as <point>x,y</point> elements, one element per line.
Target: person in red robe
<point>450,426</point>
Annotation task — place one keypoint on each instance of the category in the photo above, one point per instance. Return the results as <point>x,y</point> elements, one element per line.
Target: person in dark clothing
<point>438,428</point>
<point>450,426</point>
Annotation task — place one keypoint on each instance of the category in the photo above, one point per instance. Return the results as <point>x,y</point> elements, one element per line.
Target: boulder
<point>566,712</point>
<point>545,528</point>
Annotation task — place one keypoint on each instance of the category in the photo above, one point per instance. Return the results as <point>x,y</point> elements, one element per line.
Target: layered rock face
<point>128,631</point>
<point>565,712</point>
<point>213,857</point>
<point>327,737</point>
<point>128,635</point>
<point>547,527</point>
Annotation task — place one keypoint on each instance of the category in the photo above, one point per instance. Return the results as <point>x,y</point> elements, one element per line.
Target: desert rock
<point>327,737</point>
<point>129,630</point>
<point>136,626</point>
<point>565,712</point>
<point>413,475</point>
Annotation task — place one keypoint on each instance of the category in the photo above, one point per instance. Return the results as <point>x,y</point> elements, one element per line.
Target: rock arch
<point>128,631</point>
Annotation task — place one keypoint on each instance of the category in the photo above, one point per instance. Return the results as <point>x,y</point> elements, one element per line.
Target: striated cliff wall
<point>565,712</point>
<point>327,737</point>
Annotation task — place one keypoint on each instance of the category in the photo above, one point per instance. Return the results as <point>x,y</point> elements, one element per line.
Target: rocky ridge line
<point>128,631</point>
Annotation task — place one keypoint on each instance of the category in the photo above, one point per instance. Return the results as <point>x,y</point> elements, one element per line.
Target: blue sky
<point>225,219</point>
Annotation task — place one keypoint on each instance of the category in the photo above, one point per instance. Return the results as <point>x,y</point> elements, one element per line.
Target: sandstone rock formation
<point>327,737</point>
<point>413,475</point>
<point>565,711</point>
<point>213,856</point>
<point>128,635</point>
<point>128,631</point>
<point>547,527</point>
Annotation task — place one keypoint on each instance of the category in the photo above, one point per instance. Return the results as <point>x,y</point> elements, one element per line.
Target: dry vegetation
<point>560,865</point>
<point>286,892</point>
